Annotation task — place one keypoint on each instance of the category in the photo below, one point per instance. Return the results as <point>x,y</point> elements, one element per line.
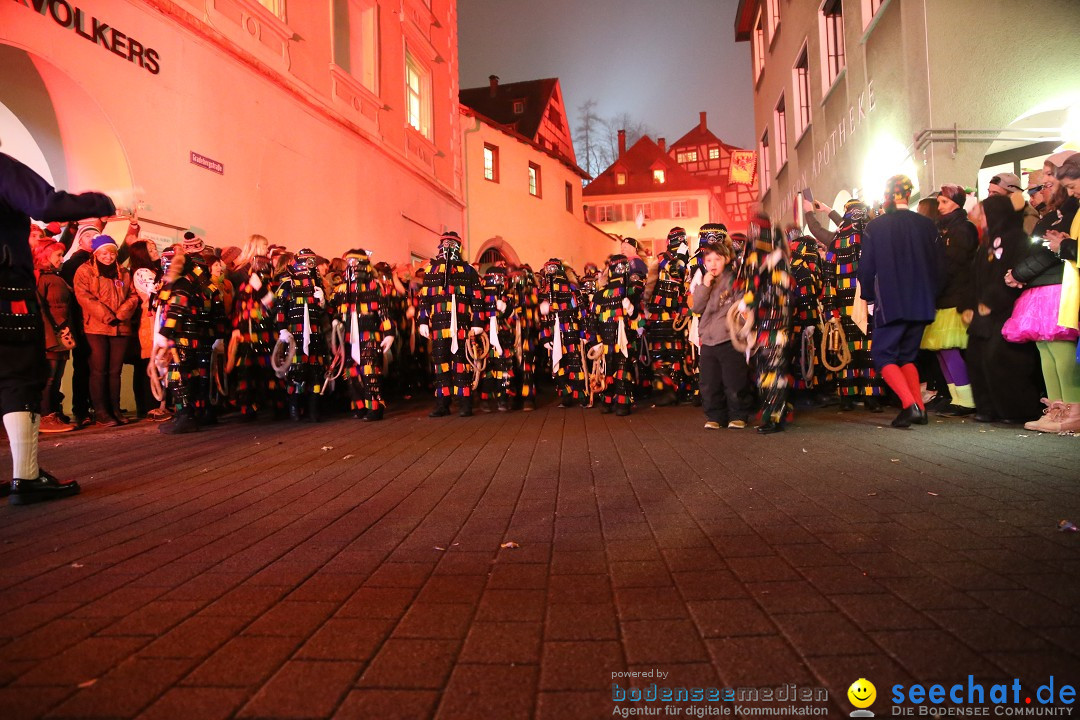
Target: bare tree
<point>597,139</point>
<point>588,131</point>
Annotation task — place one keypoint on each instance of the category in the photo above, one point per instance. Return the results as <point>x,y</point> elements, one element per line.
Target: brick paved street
<point>352,570</point>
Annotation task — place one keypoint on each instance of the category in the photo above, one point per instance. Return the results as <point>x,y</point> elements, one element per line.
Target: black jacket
<point>1006,244</point>
<point>959,240</point>
<point>1040,265</point>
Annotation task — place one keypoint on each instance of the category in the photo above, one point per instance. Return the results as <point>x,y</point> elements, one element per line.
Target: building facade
<point>850,92</point>
<point>330,125</point>
<point>522,185</point>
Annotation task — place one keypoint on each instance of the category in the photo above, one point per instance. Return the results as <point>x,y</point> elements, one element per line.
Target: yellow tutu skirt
<point>946,332</point>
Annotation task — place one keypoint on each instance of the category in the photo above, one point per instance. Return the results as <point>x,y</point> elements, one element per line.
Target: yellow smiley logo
<point>862,693</point>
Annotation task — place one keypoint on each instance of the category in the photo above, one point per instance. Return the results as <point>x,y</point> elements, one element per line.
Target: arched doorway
<point>495,250</point>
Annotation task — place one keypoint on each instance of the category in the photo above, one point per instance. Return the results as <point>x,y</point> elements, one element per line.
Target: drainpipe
<point>465,159</point>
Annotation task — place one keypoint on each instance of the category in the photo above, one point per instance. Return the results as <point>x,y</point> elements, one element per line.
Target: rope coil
<point>835,341</point>
<point>477,348</point>
<point>281,362</point>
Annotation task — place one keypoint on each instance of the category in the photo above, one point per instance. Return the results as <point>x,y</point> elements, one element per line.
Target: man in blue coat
<point>24,194</point>
<point>899,273</point>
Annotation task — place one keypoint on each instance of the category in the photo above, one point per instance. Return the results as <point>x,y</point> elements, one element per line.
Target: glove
<point>628,306</point>
<point>425,332</point>
<point>218,346</point>
<point>500,306</point>
<point>284,336</point>
<point>386,342</point>
<point>319,294</point>
<point>476,330</point>
<point>545,307</point>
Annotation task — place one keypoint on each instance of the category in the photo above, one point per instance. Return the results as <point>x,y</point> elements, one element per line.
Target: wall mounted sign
<point>205,162</point>
<point>98,32</point>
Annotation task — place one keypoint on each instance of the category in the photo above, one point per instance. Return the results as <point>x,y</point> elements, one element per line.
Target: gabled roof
<point>500,108</point>
<point>638,163</point>
<point>510,132</point>
<point>699,136</point>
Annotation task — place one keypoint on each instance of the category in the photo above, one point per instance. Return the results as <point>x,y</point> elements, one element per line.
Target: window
<point>418,95</point>
<point>763,159</point>
<point>686,156</point>
<point>275,6</point>
<point>534,179</point>
<point>643,210</point>
<point>605,213</point>
<point>679,209</point>
<point>780,116</point>
<point>569,198</point>
<point>356,41</point>
<point>759,47</point>
<point>519,107</point>
<point>869,10</point>
<point>491,162</point>
<point>833,59</point>
<point>620,178</point>
<point>658,176</point>
<point>555,117</point>
<point>714,153</point>
<point>801,79</point>
<point>774,18</point>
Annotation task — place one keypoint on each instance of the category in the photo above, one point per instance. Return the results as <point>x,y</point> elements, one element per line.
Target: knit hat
<point>954,193</point>
<point>193,243</point>
<point>230,254</point>
<point>103,241</point>
<point>1006,181</point>
<point>898,187</point>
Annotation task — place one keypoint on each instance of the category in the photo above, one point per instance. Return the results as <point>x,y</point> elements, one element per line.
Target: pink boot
<point>1070,418</point>
<point>1050,422</point>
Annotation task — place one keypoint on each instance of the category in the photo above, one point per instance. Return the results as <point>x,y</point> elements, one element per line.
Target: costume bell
<point>496,315</point>
<point>561,327</point>
<point>301,315</point>
<point>616,323</point>
<point>768,297</point>
<point>361,320</point>
<point>668,317</point>
<point>252,344</point>
<point>449,301</point>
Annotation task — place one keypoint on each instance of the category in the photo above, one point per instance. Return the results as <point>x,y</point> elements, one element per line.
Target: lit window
<point>759,47</point>
<point>620,178</point>
<point>356,41</point>
<point>679,209</point>
<point>831,26</point>
<point>780,116</point>
<point>643,210</point>
<point>605,213</point>
<point>491,163</point>
<point>275,6</point>
<point>801,79</point>
<point>519,107</point>
<point>691,156</point>
<point>763,160</point>
<point>714,153</point>
<point>534,179</point>
<point>569,198</point>
<point>658,176</point>
<point>418,95</point>
<point>869,10</point>
<point>774,18</point>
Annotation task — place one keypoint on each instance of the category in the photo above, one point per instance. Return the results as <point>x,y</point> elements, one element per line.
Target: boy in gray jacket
<point>724,376</point>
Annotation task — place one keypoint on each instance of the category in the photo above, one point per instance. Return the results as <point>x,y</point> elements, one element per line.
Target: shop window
<point>833,58</point>
<point>418,95</point>
<point>356,40</point>
<point>491,162</point>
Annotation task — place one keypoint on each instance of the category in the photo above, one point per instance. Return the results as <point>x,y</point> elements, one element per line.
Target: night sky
<point>662,61</point>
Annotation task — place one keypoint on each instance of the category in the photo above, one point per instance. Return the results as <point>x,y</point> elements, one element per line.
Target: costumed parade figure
<point>393,303</point>
<point>367,333</point>
<point>414,363</point>
<point>805,331</point>
<point>252,344</point>
<point>301,314</point>
<point>617,320</point>
<point>525,297</point>
<point>668,318</point>
<point>858,379</point>
<point>561,327</point>
<point>449,301</point>
<point>496,313</point>
<point>768,298</point>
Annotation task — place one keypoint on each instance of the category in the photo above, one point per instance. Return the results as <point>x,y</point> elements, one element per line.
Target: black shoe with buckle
<point>912,415</point>
<point>43,488</point>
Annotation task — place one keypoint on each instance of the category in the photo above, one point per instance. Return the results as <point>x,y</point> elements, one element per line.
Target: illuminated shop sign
<point>100,33</point>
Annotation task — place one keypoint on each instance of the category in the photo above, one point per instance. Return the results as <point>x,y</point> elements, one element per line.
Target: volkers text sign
<point>100,33</point>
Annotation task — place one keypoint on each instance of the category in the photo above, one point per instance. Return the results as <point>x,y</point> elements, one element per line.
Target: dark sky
<point>662,61</point>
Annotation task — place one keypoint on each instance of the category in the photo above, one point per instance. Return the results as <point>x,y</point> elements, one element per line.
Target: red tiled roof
<point>535,94</point>
<point>638,163</point>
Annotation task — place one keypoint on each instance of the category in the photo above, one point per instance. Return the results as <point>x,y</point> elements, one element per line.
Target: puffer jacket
<point>108,304</point>
<point>56,301</point>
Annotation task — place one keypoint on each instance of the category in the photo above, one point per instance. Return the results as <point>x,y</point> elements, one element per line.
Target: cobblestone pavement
<point>354,570</point>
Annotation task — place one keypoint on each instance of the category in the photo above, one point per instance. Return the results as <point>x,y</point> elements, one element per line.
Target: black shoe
<point>983,418</point>
<point>180,424</point>
<point>605,408</point>
<point>622,410</point>
<point>42,489</point>
<point>873,405</point>
<point>503,406</point>
<point>360,413</point>
<point>665,399</point>
<point>442,409</point>
<point>314,408</point>
<point>374,415</point>
<point>466,408</point>
<point>955,411</point>
<point>913,415</point>
<point>937,402</point>
<point>847,403</point>
<point>769,427</point>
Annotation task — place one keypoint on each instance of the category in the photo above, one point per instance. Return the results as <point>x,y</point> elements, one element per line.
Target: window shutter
<point>661,210</point>
<point>692,207</point>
